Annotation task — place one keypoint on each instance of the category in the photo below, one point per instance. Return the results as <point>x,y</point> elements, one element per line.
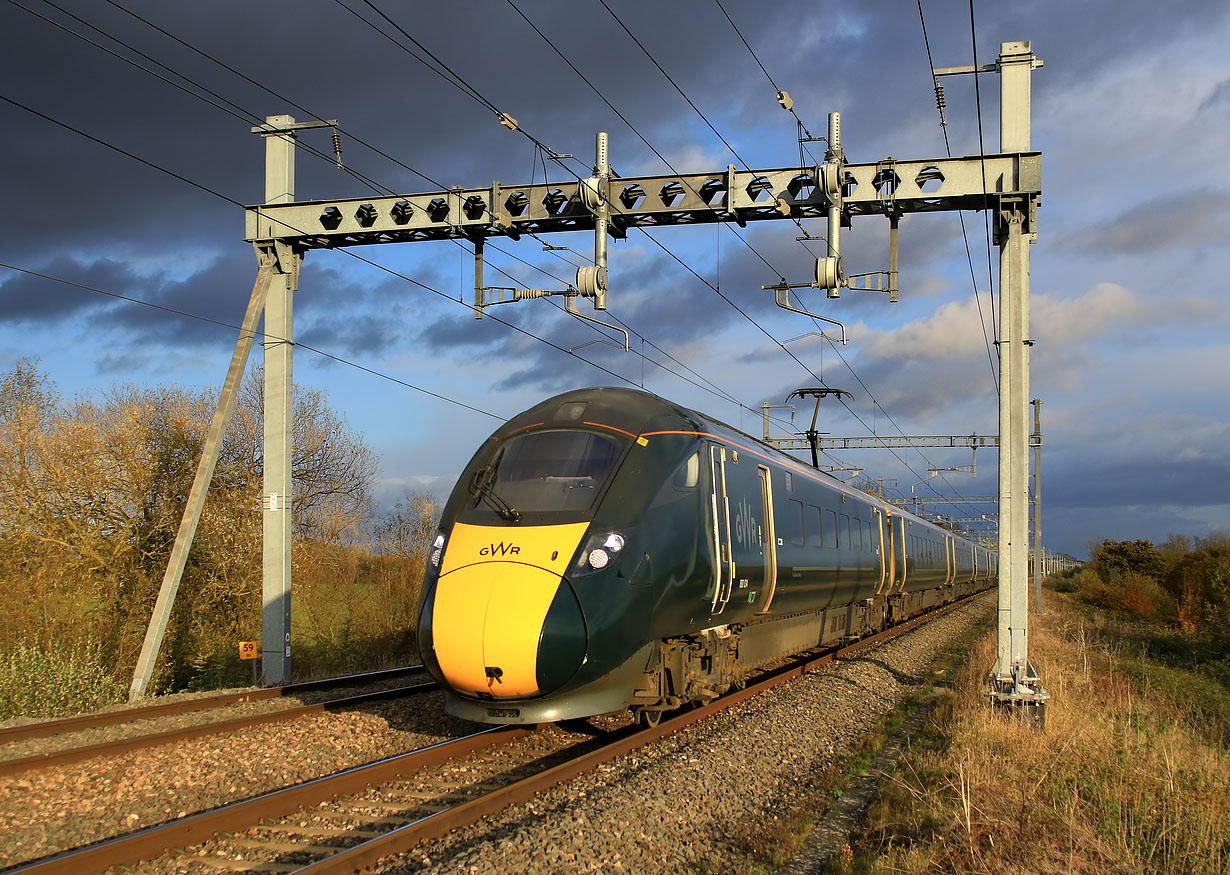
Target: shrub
<point>1200,584</point>
<point>1116,558</point>
<point>1144,596</point>
<point>47,683</point>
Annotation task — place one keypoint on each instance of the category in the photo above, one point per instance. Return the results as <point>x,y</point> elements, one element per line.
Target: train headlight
<point>599,551</point>
<point>437,552</point>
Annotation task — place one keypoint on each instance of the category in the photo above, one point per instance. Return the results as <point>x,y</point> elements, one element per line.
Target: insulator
<point>940,104</point>
<point>337,149</point>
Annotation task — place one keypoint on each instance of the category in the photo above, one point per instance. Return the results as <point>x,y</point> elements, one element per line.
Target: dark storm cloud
<point>28,299</point>
<point>1092,484</point>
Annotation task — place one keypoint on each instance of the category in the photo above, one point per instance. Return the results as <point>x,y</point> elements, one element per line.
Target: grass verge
<point>1132,774</point>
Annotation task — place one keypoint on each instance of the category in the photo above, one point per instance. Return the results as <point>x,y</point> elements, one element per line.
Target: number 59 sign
<point>249,649</point>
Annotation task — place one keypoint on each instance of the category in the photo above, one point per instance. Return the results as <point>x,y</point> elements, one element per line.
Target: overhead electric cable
<point>299,344</point>
<point>204,188</point>
<point>664,248</point>
<point>270,91</point>
<point>982,154</point>
<point>234,202</point>
<point>960,215</point>
<point>654,61</point>
<point>247,116</point>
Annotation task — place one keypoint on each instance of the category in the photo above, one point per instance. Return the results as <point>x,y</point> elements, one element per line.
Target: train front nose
<point>505,623</point>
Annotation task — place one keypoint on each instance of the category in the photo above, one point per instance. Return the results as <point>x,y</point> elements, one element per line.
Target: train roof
<point>637,413</point>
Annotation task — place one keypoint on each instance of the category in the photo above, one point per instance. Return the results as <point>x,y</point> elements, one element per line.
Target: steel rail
<point>128,850</point>
<point>60,726</point>
<point>139,742</point>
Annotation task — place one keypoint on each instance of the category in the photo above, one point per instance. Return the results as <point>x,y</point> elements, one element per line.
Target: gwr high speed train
<point>607,549</point>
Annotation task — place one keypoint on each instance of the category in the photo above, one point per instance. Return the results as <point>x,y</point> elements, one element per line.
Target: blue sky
<point>1131,112</point>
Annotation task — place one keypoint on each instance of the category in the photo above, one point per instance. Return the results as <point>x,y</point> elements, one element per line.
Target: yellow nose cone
<point>492,597</point>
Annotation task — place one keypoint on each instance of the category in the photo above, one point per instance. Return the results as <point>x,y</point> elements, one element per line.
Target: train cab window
<point>688,474</point>
<point>680,485</point>
<point>830,528</point>
<point>554,470</point>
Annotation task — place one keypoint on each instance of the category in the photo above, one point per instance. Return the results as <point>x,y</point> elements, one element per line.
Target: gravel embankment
<point>52,809</point>
<point>706,799</point>
<point>703,800</point>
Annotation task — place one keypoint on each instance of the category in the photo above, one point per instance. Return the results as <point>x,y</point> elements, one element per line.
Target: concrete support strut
<point>200,485</point>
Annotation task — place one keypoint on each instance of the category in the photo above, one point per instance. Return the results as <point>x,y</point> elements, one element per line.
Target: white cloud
<point>954,332</point>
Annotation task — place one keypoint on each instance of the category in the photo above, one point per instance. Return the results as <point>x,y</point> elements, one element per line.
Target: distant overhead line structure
<point>905,441</point>
<point>283,230</point>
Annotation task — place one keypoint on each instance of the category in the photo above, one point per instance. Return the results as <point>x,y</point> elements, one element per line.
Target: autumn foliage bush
<point>91,495</point>
<point>1180,591</point>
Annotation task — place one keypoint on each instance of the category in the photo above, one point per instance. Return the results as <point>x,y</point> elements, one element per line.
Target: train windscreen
<point>554,470</point>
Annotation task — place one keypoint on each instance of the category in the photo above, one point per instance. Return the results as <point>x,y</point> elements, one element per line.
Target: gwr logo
<point>500,549</point>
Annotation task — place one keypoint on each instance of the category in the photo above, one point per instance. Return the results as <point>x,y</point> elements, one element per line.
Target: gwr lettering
<point>500,549</point>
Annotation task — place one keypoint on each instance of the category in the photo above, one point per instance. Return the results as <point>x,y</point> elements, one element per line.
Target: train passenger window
<point>830,528</point>
<point>845,527</point>
<point>794,523</point>
<point>688,474</point>
<point>867,534</point>
<point>815,532</point>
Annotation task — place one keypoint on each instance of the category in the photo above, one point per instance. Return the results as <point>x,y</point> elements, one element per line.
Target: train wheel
<point>648,718</point>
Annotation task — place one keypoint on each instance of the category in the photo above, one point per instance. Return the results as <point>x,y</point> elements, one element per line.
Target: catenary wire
<point>384,268</point>
<point>961,216</point>
<point>660,245</point>
<point>715,289</point>
<point>986,213</point>
<point>245,115</point>
<point>407,278</point>
<point>298,344</point>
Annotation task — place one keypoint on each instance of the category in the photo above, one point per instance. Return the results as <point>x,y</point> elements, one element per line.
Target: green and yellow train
<point>607,549</point>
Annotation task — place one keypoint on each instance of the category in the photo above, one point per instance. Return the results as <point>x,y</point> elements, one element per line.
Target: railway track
<point>347,821</point>
<point>73,753</point>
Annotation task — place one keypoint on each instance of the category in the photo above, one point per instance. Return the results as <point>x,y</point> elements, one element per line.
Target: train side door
<point>900,557</point>
<point>883,551</point>
<point>770,539</point>
<point>723,569</point>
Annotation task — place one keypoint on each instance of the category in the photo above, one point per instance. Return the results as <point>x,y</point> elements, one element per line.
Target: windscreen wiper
<point>483,486</point>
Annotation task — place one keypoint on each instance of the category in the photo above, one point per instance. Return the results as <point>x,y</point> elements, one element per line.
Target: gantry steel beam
<point>888,187</point>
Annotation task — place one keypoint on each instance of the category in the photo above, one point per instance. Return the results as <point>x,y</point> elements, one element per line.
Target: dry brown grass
<point>1122,780</point>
